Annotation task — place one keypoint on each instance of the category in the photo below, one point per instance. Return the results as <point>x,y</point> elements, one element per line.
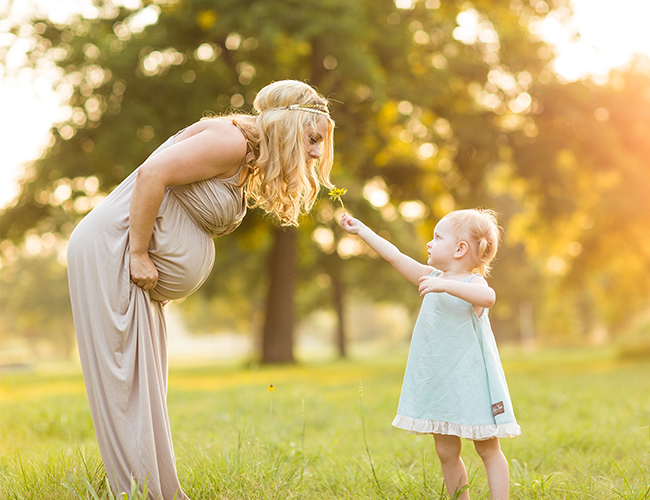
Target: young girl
<point>454,386</point>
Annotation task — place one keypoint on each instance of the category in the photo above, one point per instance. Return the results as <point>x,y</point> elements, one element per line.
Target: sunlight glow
<point>601,35</point>
<point>376,192</point>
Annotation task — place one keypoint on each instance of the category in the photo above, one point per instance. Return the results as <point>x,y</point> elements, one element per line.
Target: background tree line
<point>441,106</point>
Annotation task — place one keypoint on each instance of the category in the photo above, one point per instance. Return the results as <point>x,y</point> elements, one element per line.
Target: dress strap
<point>469,278</point>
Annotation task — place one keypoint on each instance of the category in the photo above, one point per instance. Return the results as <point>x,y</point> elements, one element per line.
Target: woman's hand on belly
<point>143,272</point>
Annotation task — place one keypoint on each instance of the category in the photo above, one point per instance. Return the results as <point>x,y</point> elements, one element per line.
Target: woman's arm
<point>210,148</point>
<point>411,269</point>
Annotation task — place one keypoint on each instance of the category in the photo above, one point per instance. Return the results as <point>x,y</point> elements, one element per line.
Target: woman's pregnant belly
<point>182,253</point>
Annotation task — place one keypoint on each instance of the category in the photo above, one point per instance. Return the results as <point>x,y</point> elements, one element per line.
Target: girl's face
<point>315,137</point>
<point>442,247</point>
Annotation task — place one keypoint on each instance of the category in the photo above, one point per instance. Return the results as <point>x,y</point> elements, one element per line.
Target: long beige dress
<point>121,328</point>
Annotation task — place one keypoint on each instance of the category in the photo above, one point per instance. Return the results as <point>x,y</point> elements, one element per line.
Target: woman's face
<point>315,137</point>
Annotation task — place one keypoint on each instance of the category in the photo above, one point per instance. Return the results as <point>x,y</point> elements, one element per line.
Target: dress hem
<point>471,432</point>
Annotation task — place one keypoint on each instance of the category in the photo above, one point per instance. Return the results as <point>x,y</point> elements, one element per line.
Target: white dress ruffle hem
<point>471,432</point>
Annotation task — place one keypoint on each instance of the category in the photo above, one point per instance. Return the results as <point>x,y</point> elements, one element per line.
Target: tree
<point>589,165</point>
<point>120,66</point>
<point>439,106</point>
<point>35,303</point>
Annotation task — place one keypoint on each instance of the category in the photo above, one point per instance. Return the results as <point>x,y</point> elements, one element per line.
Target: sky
<point>609,36</point>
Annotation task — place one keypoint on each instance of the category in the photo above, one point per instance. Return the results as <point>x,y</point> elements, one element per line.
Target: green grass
<point>585,419</point>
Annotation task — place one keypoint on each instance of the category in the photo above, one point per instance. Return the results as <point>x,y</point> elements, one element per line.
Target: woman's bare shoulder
<point>219,140</point>
<point>217,128</point>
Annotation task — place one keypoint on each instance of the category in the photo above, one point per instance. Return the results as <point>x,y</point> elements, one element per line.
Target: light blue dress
<point>454,382</point>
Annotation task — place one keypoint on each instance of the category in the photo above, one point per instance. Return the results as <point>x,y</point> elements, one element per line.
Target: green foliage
<point>424,114</point>
<point>588,166</point>
<point>583,416</point>
<point>35,303</point>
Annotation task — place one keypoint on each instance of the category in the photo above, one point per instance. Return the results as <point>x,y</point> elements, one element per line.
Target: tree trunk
<point>277,336</point>
<point>337,298</point>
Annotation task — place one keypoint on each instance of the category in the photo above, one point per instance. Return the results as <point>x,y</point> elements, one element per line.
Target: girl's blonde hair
<point>278,174</point>
<point>480,227</point>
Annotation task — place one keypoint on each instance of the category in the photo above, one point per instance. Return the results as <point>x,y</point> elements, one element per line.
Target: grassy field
<point>585,418</point>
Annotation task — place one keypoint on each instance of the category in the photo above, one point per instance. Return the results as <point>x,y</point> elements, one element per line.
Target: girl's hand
<point>350,224</point>
<point>143,272</point>
<point>429,284</point>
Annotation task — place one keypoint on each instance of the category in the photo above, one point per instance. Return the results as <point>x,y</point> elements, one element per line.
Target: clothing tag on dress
<point>497,408</point>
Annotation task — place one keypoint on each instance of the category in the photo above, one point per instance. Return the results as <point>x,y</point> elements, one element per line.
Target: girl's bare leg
<point>496,468</point>
<point>453,469</point>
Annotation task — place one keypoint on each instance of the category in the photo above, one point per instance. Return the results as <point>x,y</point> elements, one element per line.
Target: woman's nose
<point>314,152</point>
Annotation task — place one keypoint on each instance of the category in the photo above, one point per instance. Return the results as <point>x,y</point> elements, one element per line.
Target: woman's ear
<point>461,249</point>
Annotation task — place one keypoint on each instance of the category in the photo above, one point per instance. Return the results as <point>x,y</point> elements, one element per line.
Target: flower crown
<point>319,109</point>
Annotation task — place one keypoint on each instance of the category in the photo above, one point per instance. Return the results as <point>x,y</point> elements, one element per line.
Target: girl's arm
<point>411,269</point>
<point>210,148</point>
<point>477,292</point>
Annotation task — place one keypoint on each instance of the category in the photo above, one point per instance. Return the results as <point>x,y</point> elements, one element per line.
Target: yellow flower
<point>336,193</point>
<point>271,388</point>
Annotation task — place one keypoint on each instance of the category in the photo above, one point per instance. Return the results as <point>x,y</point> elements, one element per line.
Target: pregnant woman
<point>150,241</point>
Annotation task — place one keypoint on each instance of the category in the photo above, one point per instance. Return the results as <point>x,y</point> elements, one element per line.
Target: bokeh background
<point>539,110</point>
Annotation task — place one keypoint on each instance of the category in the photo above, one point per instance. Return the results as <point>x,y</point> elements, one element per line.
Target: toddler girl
<point>454,386</point>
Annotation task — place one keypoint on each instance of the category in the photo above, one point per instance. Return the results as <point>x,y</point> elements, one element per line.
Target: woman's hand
<point>350,224</point>
<point>143,272</point>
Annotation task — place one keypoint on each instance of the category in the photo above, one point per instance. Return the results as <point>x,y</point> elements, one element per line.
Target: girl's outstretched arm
<point>411,269</point>
<point>477,292</point>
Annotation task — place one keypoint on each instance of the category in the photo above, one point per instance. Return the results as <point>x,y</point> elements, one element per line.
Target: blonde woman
<point>150,241</point>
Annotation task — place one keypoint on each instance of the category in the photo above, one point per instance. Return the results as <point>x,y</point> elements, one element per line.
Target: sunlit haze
<point>609,35</point>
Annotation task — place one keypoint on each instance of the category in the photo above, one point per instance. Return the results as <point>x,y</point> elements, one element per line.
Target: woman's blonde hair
<point>278,174</point>
<point>480,227</point>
